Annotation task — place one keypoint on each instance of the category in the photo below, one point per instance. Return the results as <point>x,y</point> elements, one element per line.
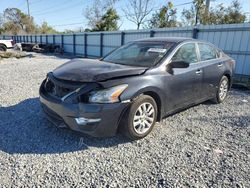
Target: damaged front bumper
<point>98,120</point>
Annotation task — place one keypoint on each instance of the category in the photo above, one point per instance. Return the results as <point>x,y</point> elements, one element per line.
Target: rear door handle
<point>198,72</point>
<point>219,65</point>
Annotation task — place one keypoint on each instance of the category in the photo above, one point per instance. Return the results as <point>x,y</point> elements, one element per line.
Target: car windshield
<point>144,54</point>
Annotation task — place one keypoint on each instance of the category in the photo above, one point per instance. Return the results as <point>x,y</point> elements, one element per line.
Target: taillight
<point>232,64</point>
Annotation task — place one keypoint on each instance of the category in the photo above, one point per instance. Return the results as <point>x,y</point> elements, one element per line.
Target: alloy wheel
<point>143,118</point>
<point>223,89</point>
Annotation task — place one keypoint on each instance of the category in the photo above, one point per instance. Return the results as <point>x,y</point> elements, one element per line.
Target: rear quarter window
<point>207,52</point>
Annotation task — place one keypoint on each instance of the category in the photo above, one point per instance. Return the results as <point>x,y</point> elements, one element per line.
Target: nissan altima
<point>135,86</point>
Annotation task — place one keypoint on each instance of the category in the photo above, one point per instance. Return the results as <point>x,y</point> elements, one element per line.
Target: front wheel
<point>140,118</point>
<point>222,90</point>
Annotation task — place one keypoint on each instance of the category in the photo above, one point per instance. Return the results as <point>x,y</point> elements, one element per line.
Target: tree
<point>136,11</point>
<point>46,29</point>
<point>95,12</point>
<point>218,15</point>
<point>17,22</point>
<point>196,14</point>
<point>108,21</point>
<point>1,24</point>
<point>165,17</point>
<point>234,13</point>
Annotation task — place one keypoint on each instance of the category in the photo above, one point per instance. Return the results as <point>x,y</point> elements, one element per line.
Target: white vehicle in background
<point>6,44</point>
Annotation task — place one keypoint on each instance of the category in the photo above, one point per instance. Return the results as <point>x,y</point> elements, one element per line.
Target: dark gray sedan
<point>135,85</point>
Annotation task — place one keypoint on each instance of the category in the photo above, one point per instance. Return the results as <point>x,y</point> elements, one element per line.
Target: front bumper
<point>101,120</point>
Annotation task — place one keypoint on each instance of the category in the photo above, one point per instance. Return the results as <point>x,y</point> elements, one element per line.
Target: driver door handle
<point>219,65</point>
<point>198,72</point>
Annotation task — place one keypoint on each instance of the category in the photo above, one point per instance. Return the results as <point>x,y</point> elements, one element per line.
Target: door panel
<point>212,69</point>
<point>184,84</point>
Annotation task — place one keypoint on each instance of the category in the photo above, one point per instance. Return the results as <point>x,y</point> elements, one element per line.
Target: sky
<point>69,14</point>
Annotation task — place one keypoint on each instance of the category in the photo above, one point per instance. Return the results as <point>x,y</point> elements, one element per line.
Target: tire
<point>3,48</point>
<point>137,124</point>
<point>222,90</point>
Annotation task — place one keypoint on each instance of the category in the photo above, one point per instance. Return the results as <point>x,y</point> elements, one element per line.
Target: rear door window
<point>207,52</point>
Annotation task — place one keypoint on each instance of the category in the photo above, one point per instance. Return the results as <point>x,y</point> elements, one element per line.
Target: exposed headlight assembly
<point>110,95</point>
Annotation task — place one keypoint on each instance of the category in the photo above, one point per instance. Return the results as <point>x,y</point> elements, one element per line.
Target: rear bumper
<point>104,118</point>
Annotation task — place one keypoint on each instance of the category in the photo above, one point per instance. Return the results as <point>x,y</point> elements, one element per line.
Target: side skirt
<point>172,112</point>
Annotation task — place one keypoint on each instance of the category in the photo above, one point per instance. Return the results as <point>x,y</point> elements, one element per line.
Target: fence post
<point>35,39</point>
<point>85,45</point>
<point>122,38</point>
<point>41,39</point>
<point>152,33</point>
<point>74,44</point>
<point>62,42</point>
<point>46,39</point>
<point>31,40</point>
<point>27,38</point>
<point>3,36</point>
<point>54,40</point>
<point>195,32</point>
<point>101,44</point>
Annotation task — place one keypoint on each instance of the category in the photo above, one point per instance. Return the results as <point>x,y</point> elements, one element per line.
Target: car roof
<point>166,39</point>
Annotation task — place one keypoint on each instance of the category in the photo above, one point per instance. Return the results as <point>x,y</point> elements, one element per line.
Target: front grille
<point>55,89</point>
<point>58,88</point>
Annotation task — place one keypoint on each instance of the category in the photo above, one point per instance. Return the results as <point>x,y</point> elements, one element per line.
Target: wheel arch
<point>229,77</point>
<point>1,44</point>
<point>156,95</point>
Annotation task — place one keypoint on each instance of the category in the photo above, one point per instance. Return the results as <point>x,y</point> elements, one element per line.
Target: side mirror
<point>179,64</point>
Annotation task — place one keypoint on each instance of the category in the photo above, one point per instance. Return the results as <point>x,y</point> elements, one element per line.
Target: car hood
<point>90,70</point>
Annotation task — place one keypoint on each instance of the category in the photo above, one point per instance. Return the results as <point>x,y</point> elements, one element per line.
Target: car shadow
<point>24,129</point>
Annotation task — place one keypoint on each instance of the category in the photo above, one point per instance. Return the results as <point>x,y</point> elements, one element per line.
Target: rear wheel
<point>140,118</point>
<point>3,48</point>
<point>222,90</point>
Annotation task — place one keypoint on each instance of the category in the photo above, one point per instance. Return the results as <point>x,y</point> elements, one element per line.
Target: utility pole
<point>196,15</point>
<point>28,6</point>
<point>207,7</point>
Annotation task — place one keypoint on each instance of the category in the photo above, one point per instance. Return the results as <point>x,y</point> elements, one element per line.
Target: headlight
<point>110,95</point>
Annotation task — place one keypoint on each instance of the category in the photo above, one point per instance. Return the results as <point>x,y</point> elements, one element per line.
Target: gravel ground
<point>204,146</point>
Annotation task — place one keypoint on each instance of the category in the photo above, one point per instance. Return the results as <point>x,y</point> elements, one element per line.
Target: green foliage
<point>108,21</point>
<point>16,22</point>
<point>165,17</point>
<point>103,17</point>
<point>100,12</point>
<point>46,29</point>
<point>217,15</point>
<point>1,24</point>
<point>232,14</point>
